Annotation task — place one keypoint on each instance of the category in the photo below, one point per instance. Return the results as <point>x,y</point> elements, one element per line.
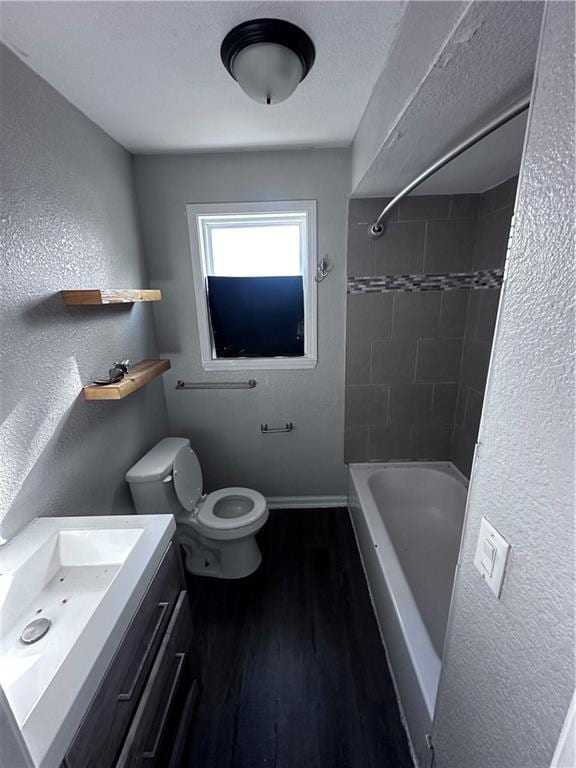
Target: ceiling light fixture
<point>268,58</point>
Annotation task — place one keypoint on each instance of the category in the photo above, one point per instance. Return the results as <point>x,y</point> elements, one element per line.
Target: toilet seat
<point>227,514</point>
<point>222,516</point>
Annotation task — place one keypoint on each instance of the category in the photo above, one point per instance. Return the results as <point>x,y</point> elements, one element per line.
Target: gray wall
<point>224,426</point>
<point>68,221</point>
<point>494,216</point>
<point>508,672</point>
<point>416,362</point>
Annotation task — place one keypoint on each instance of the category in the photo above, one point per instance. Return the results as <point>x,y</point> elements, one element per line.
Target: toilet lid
<point>187,475</point>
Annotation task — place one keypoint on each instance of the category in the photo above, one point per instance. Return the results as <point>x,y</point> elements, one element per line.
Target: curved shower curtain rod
<point>377,229</point>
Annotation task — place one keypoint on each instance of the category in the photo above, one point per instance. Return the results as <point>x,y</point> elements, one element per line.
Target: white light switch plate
<point>491,555</point>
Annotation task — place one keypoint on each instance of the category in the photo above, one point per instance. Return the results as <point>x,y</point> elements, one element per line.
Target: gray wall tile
<point>485,205</point>
<point>393,362</point>
<point>431,441</point>
<point>424,207</point>
<point>461,398</point>
<point>438,360</point>
<point>365,210</point>
<point>389,442</point>
<point>472,313</point>
<point>369,316</point>
<point>444,403</point>
<point>416,315</point>
<point>490,251</point>
<point>414,386</point>
<point>358,361</point>
<point>464,206</point>
<point>462,450</point>
<point>475,360</point>
<point>410,403</point>
<point>453,313</point>
<point>366,405</point>
<point>492,240</point>
<point>449,246</point>
<point>356,444</point>
<point>400,250</point>
<point>360,252</point>
<point>473,412</point>
<point>487,312</point>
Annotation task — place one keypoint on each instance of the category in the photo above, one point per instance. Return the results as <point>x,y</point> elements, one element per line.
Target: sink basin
<point>86,576</point>
<point>62,581</point>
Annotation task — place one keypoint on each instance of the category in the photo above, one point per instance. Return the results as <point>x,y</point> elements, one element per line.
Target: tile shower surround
<point>447,281</point>
<point>422,305</point>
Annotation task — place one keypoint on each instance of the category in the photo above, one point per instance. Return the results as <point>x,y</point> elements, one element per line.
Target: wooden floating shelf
<point>100,296</point>
<point>137,376</point>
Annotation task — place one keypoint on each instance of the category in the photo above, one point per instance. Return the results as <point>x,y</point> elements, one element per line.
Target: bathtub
<point>408,517</point>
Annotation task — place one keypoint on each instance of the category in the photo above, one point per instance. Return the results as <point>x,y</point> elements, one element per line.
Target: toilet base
<point>234,559</point>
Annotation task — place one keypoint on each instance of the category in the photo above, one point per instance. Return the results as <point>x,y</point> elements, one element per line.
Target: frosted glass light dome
<point>267,72</point>
<point>268,58</point>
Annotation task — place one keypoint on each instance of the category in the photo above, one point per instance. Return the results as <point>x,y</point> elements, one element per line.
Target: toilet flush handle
<point>168,478</point>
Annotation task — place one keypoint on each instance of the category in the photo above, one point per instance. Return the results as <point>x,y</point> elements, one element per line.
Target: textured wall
<point>403,350</point>
<point>495,210</point>
<point>224,426</point>
<point>508,674</point>
<point>68,221</point>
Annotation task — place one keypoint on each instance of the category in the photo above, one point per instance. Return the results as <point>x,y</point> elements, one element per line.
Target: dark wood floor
<point>293,671</point>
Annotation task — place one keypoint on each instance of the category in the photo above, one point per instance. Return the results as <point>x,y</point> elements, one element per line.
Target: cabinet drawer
<point>160,704</point>
<point>100,736</point>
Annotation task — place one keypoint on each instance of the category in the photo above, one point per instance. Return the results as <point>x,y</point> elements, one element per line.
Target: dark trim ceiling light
<point>268,58</point>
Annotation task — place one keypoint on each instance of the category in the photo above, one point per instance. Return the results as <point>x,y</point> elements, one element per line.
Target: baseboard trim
<point>305,502</point>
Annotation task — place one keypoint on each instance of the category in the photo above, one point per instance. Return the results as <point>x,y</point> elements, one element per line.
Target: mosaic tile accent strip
<point>443,281</point>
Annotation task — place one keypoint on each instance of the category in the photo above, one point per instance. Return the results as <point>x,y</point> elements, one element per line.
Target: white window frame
<point>201,217</point>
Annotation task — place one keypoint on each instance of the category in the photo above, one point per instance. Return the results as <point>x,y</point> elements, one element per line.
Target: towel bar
<point>266,430</point>
<point>215,384</point>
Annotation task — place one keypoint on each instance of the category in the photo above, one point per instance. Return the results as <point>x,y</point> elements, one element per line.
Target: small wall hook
<point>322,269</point>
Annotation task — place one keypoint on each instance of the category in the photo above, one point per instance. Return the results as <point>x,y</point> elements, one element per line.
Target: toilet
<point>216,531</point>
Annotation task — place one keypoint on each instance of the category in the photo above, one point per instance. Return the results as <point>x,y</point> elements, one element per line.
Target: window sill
<point>261,364</point>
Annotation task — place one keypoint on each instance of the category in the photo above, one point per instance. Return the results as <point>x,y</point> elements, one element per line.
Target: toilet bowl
<point>217,530</point>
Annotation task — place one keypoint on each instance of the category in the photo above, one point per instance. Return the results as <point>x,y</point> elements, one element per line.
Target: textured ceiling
<point>481,62</point>
<point>149,73</point>
<point>483,166</point>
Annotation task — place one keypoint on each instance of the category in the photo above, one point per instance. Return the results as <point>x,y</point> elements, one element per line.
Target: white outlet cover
<point>489,539</point>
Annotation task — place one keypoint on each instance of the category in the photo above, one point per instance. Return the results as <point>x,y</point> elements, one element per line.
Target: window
<point>254,266</point>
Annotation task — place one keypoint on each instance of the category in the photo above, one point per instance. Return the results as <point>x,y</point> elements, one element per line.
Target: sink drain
<point>35,631</point>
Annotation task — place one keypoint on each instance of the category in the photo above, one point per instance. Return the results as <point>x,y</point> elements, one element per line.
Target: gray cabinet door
<point>101,734</point>
<point>159,707</point>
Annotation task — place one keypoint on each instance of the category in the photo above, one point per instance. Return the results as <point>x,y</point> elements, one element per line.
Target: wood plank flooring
<point>293,671</point>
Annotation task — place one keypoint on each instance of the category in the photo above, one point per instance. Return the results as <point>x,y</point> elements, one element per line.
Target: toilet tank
<point>151,479</point>
<point>155,498</point>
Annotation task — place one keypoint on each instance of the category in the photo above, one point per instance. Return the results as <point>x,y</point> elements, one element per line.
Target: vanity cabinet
<point>142,709</point>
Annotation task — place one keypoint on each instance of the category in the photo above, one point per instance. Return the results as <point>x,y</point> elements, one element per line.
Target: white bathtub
<point>408,519</point>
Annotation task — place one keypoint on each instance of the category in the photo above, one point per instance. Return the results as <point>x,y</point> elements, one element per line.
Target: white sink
<point>86,576</point>
<point>63,581</point>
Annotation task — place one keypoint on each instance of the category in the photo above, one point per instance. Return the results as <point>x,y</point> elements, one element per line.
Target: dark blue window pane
<point>257,316</point>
